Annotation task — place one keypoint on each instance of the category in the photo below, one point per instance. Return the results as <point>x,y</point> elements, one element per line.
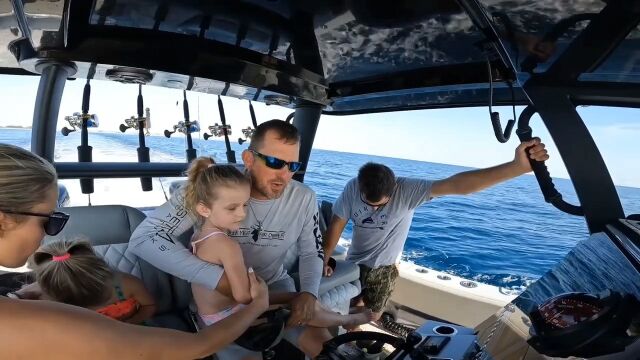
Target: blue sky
<point>449,136</point>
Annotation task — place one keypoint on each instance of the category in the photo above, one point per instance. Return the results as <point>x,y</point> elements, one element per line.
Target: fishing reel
<point>248,133</point>
<point>218,131</point>
<point>75,121</point>
<point>184,127</point>
<point>134,122</point>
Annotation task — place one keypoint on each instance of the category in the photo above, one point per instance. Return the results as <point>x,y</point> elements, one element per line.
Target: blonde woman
<point>28,194</point>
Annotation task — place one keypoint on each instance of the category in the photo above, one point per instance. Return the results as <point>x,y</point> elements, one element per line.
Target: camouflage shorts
<point>377,285</point>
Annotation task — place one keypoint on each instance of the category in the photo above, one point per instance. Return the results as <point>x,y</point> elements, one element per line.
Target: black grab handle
<point>501,136</point>
<point>551,195</point>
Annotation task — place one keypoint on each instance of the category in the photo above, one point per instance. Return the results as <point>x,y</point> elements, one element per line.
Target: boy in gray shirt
<point>280,214</point>
<point>381,208</point>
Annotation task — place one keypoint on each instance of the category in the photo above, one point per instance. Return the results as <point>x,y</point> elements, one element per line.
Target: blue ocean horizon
<point>505,236</point>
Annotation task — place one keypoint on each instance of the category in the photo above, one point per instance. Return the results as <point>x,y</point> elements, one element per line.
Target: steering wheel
<point>331,349</point>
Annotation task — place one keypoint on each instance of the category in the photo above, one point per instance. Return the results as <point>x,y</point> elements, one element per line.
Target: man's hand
<point>533,149</point>
<point>302,309</point>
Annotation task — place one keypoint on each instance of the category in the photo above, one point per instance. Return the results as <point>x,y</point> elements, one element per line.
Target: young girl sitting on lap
<point>219,195</point>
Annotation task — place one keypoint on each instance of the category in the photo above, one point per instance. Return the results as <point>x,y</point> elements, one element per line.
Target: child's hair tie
<point>61,257</point>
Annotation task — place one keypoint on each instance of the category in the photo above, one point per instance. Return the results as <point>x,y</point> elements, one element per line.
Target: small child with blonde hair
<point>70,272</point>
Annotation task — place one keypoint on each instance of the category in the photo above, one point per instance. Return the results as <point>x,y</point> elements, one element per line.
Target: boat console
<point>572,324</point>
<point>432,341</point>
<point>440,341</point>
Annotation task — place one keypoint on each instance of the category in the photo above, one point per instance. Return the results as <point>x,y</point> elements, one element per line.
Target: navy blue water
<point>506,236</point>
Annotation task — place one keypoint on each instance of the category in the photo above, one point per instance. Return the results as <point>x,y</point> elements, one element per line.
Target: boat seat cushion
<point>337,290</point>
<point>108,228</point>
<point>100,225</point>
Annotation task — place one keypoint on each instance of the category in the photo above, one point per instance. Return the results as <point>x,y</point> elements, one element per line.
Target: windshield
<point>505,236</point>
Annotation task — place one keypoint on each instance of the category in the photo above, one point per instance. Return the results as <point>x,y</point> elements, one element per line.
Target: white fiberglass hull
<point>443,296</point>
<point>446,296</point>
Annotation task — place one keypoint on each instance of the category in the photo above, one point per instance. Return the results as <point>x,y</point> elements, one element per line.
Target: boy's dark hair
<point>283,130</point>
<point>376,181</point>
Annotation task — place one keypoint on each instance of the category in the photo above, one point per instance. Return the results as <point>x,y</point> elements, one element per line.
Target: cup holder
<point>445,330</point>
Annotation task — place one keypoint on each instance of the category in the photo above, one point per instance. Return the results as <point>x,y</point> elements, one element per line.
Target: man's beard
<point>264,189</point>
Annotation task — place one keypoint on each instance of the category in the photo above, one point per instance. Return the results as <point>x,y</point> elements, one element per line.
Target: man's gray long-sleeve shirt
<point>291,220</point>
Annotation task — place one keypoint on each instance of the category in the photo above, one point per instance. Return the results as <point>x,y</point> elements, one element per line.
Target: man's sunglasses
<point>374,205</point>
<point>275,163</point>
<point>55,223</point>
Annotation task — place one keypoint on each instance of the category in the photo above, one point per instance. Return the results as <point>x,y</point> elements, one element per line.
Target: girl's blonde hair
<point>70,272</point>
<point>205,178</point>
<point>26,179</point>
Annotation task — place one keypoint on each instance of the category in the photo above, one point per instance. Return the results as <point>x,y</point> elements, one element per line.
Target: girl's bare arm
<point>227,252</point>
<point>134,287</point>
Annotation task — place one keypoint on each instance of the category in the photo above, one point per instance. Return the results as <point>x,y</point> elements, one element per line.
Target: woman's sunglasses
<point>55,223</point>
<point>275,163</point>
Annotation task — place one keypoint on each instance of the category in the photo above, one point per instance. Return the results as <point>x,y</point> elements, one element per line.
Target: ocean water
<point>505,236</point>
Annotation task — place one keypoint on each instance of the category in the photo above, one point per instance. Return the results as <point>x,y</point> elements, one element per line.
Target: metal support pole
<point>306,119</point>
<point>587,169</point>
<point>47,106</point>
